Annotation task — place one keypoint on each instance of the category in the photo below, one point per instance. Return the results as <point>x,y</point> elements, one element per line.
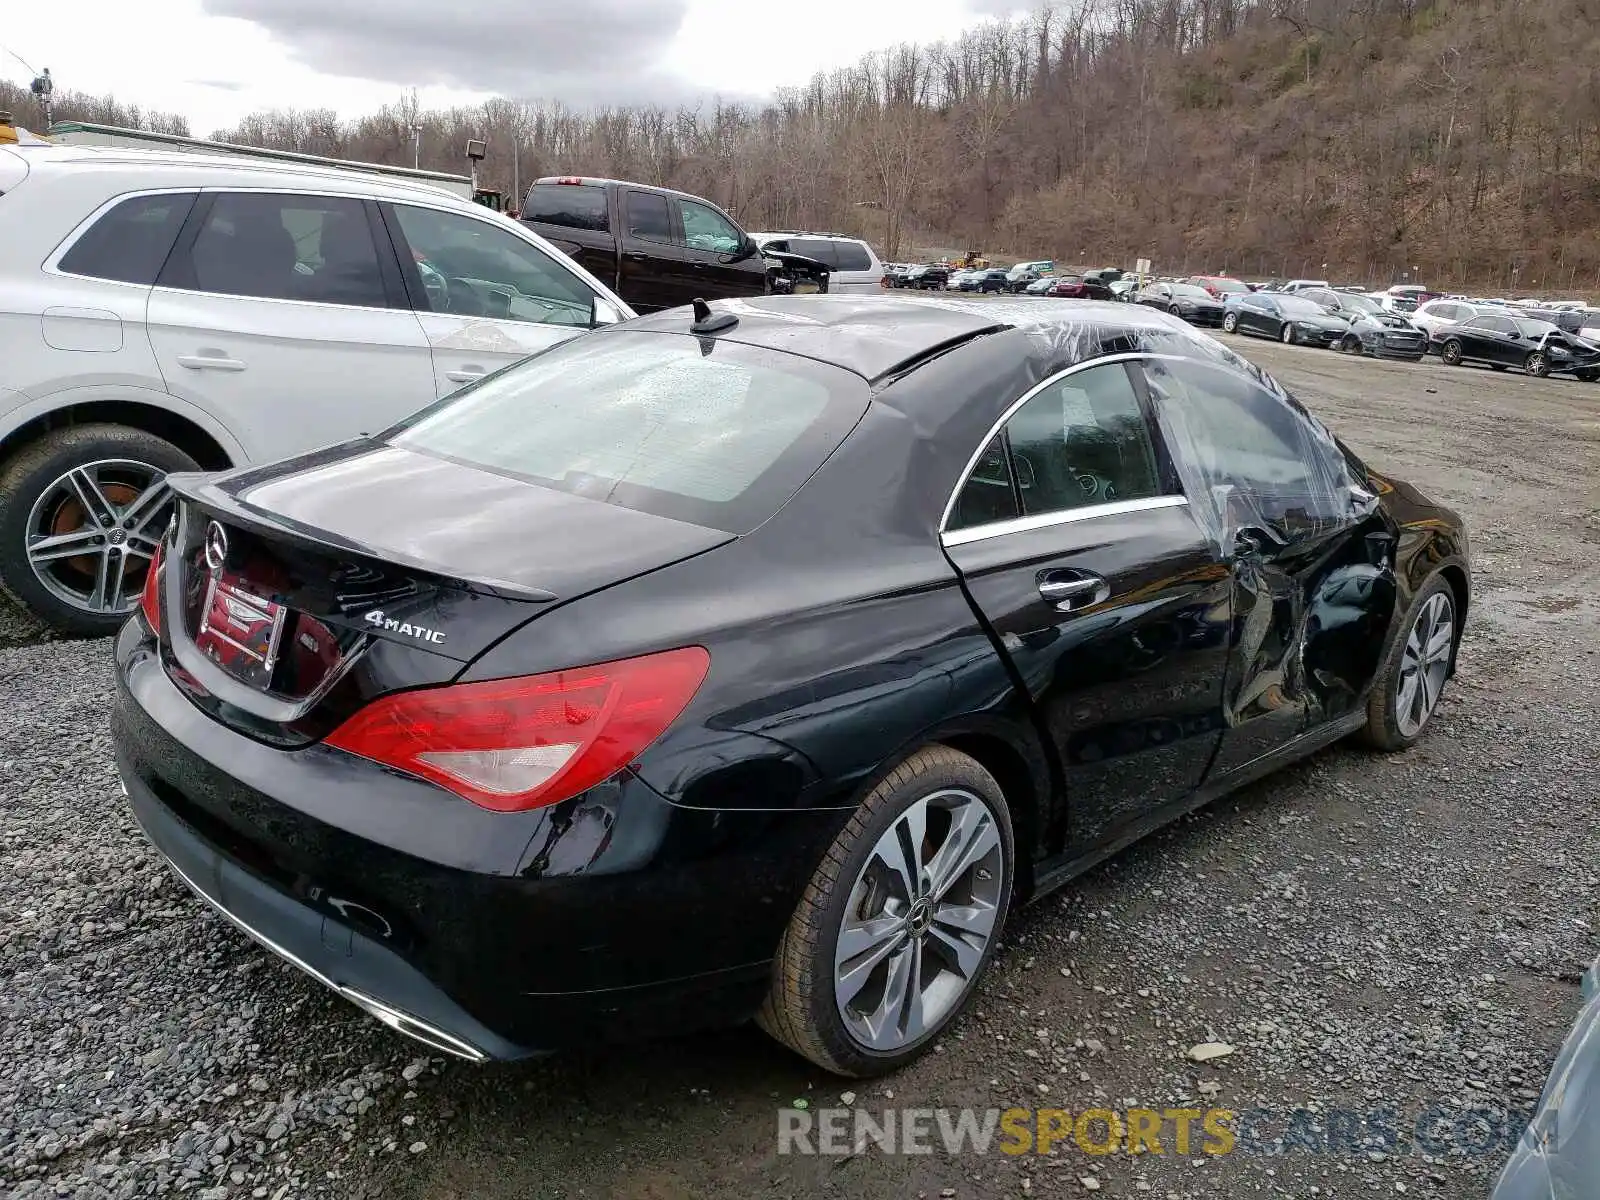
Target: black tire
<point>1537,365</point>
<point>1382,730</point>
<point>800,1009</point>
<point>1287,334</point>
<point>1350,345</point>
<point>1230,323</point>
<point>1450,353</point>
<point>30,474</point>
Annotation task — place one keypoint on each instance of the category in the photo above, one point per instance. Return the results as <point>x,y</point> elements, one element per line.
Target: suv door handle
<point>209,362</point>
<point>465,375</point>
<point>634,256</point>
<point>1070,590</point>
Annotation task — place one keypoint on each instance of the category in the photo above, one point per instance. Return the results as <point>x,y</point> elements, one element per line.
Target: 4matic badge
<point>376,619</point>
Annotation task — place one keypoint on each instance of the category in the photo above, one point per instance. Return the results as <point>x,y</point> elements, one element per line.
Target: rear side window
<point>652,422</point>
<point>1083,441</point>
<point>852,256</point>
<point>574,205</point>
<point>648,217</point>
<point>817,248</point>
<point>284,247</point>
<point>130,242</point>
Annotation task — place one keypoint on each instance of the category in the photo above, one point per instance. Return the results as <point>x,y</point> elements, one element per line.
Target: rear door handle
<point>634,256</point>
<point>209,362</point>
<point>1069,590</point>
<point>465,375</point>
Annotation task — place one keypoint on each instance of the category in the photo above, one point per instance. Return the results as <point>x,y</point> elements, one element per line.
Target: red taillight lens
<point>515,744</point>
<point>150,596</point>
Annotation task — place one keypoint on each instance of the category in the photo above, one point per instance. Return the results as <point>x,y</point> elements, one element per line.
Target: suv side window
<point>474,268</point>
<point>1083,440</point>
<point>284,247</point>
<point>704,228</point>
<point>649,218</point>
<point>817,248</point>
<point>131,241</point>
<point>852,256</point>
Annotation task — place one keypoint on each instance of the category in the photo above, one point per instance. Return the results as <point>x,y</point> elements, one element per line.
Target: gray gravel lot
<point>1367,932</point>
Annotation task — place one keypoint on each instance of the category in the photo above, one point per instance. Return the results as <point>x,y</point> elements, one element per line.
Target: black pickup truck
<point>658,248</point>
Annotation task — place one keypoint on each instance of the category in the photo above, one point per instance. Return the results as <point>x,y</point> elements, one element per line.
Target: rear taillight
<point>516,744</point>
<point>150,596</point>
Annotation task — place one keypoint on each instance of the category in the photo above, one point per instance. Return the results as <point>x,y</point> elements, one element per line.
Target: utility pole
<point>416,146</point>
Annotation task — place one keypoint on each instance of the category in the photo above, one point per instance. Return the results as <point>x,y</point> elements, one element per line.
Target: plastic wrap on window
<point>1325,494</point>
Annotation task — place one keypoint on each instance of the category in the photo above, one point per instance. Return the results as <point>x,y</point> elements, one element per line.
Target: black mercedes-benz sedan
<point>754,661</point>
<point>1505,339</point>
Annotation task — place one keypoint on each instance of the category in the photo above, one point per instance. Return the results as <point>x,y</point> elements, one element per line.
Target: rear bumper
<point>610,916</point>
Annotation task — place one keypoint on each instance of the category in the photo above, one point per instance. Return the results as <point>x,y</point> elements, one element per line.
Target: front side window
<point>1083,440</point>
<point>130,242</point>
<point>704,228</point>
<point>1249,454</point>
<point>473,268</point>
<point>285,247</point>
<point>652,422</point>
<point>649,218</point>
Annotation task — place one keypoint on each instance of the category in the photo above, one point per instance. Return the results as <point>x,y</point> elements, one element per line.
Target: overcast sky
<point>215,60</point>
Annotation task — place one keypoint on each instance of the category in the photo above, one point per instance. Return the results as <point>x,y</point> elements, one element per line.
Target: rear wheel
<point>81,511</point>
<point>1537,365</point>
<point>900,920</point>
<point>1450,353</point>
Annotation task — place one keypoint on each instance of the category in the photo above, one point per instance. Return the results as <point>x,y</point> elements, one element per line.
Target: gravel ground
<point>1364,931</point>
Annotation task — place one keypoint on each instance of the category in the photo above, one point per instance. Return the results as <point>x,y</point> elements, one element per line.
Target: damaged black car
<point>755,660</point>
<point>1535,347</point>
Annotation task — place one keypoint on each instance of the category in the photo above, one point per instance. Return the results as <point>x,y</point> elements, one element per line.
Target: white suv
<point>853,267</point>
<point>167,311</point>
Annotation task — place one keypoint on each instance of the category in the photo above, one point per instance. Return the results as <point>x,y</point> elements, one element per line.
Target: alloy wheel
<point>921,914</point>
<point>1451,353</point>
<point>1287,334</point>
<point>1424,664</point>
<point>1537,365</point>
<point>93,531</point>
<point>1230,324</point>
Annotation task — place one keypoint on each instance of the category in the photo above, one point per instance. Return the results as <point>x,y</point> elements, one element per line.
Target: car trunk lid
<point>296,592</point>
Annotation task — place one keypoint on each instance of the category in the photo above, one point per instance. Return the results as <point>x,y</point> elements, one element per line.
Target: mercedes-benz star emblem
<point>216,546</point>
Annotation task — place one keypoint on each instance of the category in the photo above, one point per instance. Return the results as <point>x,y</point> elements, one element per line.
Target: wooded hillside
<point>1458,138</point>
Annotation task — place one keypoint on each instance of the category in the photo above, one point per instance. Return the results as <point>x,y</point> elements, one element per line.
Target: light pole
<point>416,146</point>
<point>44,88</point>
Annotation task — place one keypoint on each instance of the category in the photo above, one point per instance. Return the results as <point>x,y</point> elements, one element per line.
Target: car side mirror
<point>603,312</point>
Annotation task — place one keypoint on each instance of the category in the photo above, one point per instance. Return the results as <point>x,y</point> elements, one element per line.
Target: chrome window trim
<point>52,262</point>
<point>956,537</point>
<point>994,529</point>
<point>561,262</point>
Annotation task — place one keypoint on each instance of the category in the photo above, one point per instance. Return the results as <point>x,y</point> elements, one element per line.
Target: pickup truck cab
<point>654,247</point>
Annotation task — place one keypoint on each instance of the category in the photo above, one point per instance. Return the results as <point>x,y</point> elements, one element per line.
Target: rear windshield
<point>721,436</point>
<point>574,205</point>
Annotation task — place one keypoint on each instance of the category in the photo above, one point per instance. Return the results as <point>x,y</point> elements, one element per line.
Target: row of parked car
<point>1405,321</point>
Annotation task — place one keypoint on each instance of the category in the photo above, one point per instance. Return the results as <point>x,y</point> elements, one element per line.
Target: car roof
<point>193,168</point>
<point>883,335</point>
